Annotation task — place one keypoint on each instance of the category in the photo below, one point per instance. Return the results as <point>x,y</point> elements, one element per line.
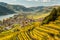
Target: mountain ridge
<point>21,8</point>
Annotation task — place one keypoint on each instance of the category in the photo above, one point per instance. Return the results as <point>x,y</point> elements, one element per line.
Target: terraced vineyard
<point>34,31</point>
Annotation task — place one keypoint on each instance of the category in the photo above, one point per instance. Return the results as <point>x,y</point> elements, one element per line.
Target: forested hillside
<point>6,8</point>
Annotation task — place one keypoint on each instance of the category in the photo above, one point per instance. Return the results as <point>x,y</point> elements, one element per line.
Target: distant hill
<point>9,9</point>
<point>43,9</point>
<point>5,11</point>
<point>15,7</point>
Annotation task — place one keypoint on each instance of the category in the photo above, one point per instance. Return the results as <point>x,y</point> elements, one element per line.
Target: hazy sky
<point>29,3</point>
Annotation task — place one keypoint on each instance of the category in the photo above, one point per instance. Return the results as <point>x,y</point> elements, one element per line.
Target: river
<point>6,16</point>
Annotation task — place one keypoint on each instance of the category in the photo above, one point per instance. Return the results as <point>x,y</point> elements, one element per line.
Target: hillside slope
<point>53,16</point>
<point>5,11</point>
<point>35,31</point>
